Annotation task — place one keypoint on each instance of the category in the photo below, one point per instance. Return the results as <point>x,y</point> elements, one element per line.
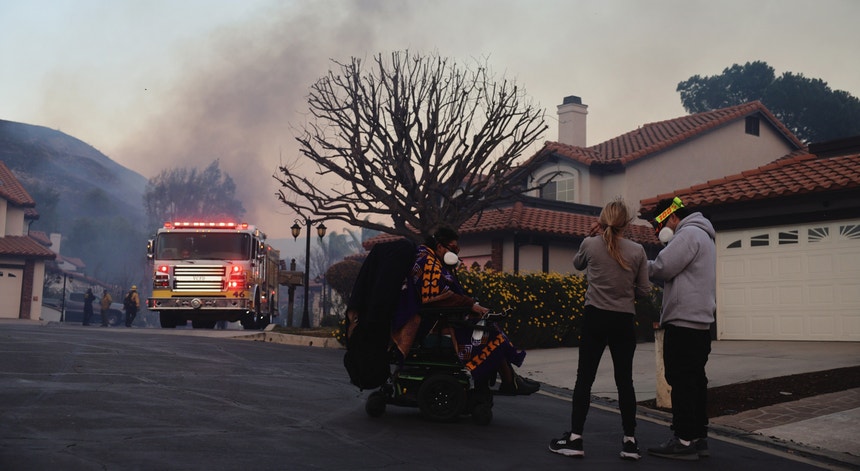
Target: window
<point>788,237</point>
<point>752,125</point>
<point>818,234</point>
<point>548,191</point>
<point>762,240</point>
<point>850,232</point>
<point>561,188</point>
<point>734,245</point>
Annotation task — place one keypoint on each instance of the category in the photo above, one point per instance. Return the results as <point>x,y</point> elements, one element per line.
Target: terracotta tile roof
<point>41,238</point>
<point>11,189</point>
<point>659,136</point>
<point>584,155</point>
<point>75,261</point>
<point>795,174</point>
<point>24,246</point>
<point>654,137</point>
<point>534,221</point>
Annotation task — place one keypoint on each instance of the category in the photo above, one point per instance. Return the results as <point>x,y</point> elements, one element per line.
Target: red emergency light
<point>225,225</point>
<point>237,279</point>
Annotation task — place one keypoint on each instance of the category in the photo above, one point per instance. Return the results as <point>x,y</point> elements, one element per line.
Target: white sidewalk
<point>730,361</point>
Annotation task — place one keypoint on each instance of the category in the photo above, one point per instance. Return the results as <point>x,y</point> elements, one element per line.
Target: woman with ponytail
<point>617,273</point>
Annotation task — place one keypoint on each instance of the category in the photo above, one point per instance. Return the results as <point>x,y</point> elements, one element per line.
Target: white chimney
<point>571,121</point>
<point>55,242</point>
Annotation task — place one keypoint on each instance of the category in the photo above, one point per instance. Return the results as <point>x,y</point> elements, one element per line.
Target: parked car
<point>75,310</point>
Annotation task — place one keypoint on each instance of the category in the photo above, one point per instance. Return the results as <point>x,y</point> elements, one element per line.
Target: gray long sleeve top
<point>610,286</point>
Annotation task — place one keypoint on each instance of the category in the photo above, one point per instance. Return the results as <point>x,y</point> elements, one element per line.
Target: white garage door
<point>10,291</point>
<point>790,282</point>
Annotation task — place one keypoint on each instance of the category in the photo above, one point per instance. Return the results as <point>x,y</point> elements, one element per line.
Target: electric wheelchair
<point>430,376</point>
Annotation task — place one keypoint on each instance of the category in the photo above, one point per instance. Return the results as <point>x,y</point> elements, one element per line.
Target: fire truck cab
<point>207,272</point>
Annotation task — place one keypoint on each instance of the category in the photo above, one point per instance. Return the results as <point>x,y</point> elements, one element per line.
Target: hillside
<point>42,156</point>
<point>93,201</point>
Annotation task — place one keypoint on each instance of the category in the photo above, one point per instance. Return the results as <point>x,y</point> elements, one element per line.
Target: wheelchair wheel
<point>482,414</point>
<point>441,398</point>
<point>375,405</point>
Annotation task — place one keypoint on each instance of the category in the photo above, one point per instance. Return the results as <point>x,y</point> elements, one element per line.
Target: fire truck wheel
<point>203,324</point>
<point>249,323</point>
<point>167,320</point>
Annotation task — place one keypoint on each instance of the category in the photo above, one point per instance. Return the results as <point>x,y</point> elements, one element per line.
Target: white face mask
<point>666,235</point>
<point>451,259</point>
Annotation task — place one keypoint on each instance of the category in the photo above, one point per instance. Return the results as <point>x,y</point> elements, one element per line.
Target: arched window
<point>562,187</point>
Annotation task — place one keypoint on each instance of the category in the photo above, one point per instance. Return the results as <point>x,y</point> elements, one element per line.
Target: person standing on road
<point>89,297</point>
<point>105,305</point>
<point>131,305</point>
<point>617,273</point>
<point>688,268</point>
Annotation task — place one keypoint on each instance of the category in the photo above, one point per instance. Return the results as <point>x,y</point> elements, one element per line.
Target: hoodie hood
<point>697,220</point>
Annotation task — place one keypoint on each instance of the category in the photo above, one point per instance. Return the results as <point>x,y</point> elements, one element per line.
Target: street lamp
<point>296,230</point>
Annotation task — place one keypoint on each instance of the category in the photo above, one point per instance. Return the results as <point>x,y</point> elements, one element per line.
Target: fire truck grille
<point>199,278</point>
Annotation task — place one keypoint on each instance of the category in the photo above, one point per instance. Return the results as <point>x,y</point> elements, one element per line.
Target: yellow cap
<point>676,205</point>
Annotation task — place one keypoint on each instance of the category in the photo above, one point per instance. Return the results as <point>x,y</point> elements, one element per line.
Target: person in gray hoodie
<point>687,267</point>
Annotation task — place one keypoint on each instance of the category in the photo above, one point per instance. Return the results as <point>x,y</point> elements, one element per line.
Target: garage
<point>11,279</point>
<point>799,282</point>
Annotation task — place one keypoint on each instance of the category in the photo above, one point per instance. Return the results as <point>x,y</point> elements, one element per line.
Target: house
<point>787,217</point>
<point>656,157</point>
<point>542,232</point>
<point>22,258</point>
<point>788,245</point>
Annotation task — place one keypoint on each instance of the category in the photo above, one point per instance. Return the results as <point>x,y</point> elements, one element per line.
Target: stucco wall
<point>14,221</point>
<point>722,152</point>
<point>3,222</point>
<point>38,284</point>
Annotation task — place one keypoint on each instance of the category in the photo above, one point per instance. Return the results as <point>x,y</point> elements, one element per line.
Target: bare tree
<point>189,193</point>
<point>416,139</point>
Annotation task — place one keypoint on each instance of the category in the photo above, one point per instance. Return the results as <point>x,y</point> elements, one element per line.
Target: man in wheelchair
<point>483,348</point>
<point>408,310</point>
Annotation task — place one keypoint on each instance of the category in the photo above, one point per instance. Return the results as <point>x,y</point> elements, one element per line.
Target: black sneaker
<point>567,447</point>
<point>630,450</point>
<point>673,448</point>
<point>702,447</point>
<point>519,387</point>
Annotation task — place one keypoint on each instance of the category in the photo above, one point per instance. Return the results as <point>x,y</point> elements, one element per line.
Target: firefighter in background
<point>89,297</point>
<point>131,304</point>
<point>105,305</point>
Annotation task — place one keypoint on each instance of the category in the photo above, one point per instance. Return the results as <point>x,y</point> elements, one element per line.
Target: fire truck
<point>207,272</point>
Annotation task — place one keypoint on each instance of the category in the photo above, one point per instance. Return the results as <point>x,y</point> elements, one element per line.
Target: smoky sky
<point>243,101</point>
<point>152,92</point>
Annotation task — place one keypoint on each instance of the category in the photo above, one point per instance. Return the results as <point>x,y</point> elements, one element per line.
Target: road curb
<point>292,339</point>
<point>797,451</point>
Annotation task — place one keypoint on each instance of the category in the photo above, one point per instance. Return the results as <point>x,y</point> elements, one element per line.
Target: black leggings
<point>599,329</point>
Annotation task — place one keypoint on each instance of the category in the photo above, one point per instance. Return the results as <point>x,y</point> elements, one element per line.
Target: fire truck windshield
<point>203,246</point>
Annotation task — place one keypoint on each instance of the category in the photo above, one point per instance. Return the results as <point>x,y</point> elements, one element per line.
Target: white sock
<point>684,442</point>
<point>629,439</point>
<point>574,436</point>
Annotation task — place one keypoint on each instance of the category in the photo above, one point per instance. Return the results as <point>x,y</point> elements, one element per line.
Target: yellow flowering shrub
<point>546,309</point>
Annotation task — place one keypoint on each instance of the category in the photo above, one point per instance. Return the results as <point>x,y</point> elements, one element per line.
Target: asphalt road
<point>75,398</point>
